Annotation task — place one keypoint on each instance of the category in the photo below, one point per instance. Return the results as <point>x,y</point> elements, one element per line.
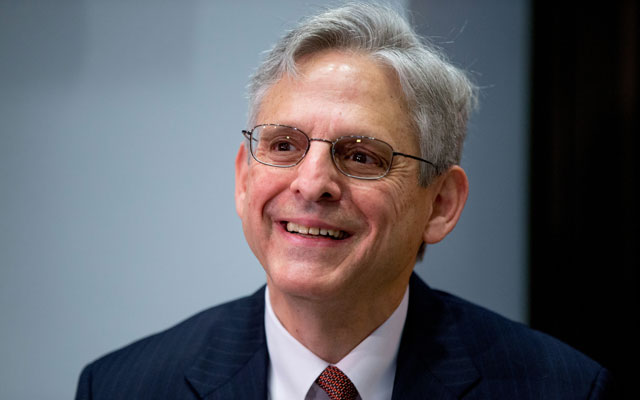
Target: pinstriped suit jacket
<point>450,349</point>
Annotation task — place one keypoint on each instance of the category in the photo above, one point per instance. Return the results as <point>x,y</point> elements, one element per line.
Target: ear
<point>451,191</point>
<point>242,164</point>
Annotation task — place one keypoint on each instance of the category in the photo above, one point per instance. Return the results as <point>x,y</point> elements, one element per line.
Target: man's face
<point>381,221</point>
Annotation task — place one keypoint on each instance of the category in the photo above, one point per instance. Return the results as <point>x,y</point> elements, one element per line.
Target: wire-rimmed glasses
<point>358,157</point>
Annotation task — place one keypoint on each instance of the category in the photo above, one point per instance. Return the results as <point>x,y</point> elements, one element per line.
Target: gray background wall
<point>119,123</point>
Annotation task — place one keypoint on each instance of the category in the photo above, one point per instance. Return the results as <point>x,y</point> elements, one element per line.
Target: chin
<point>304,284</point>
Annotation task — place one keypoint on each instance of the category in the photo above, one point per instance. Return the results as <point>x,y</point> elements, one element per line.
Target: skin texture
<point>316,284</point>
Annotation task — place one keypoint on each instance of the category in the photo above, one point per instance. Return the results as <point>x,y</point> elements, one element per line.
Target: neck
<point>321,325</point>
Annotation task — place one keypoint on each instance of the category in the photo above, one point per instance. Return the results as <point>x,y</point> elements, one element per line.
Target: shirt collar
<point>371,365</point>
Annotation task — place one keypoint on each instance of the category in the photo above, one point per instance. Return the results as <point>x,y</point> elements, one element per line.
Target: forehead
<point>336,93</point>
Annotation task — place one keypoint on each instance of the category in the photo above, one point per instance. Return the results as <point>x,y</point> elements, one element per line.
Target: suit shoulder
<point>163,356</point>
<point>505,349</point>
<point>193,329</point>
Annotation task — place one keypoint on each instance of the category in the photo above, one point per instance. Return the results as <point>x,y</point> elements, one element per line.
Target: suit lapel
<point>234,365</point>
<point>432,361</point>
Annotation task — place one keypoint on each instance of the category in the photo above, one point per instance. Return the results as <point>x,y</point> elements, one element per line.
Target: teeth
<point>293,227</point>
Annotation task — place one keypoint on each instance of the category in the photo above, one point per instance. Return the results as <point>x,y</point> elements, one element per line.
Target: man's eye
<point>361,158</point>
<point>283,145</point>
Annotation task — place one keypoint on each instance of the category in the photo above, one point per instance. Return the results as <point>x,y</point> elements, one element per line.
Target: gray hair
<point>439,95</point>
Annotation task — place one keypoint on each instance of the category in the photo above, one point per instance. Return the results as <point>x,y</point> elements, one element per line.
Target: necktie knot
<point>336,384</point>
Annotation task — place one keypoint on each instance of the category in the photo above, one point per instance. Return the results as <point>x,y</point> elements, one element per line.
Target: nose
<point>317,178</point>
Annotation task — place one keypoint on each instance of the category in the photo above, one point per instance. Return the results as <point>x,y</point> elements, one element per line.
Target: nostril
<point>326,195</point>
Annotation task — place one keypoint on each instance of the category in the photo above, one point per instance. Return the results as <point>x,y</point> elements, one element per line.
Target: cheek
<point>405,195</point>
<point>382,209</point>
<point>396,218</point>
<point>388,201</point>
<point>263,187</point>
<point>406,207</point>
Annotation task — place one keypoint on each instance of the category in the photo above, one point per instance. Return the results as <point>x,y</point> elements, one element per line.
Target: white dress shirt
<point>371,365</point>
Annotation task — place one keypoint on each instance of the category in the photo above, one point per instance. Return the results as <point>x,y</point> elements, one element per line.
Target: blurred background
<point>120,121</point>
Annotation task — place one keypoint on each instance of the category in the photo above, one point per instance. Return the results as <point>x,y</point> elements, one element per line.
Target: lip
<point>311,239</point>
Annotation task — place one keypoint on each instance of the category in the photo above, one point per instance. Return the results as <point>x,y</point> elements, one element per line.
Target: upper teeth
<point>293,227</point>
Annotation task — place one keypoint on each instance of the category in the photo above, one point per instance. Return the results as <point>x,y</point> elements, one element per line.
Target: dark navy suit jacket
<point>450,349</point>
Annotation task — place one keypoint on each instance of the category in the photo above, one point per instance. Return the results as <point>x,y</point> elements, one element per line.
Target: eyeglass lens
<point>355,156</point>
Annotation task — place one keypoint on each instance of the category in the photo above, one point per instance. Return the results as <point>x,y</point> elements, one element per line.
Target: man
<point>349,169</point>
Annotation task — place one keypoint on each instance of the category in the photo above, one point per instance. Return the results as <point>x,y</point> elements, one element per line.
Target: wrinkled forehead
<point>338,87</point>
<point>346,68</point>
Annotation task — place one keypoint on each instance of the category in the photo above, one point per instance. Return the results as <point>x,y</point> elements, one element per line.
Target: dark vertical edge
<point>583,178</point>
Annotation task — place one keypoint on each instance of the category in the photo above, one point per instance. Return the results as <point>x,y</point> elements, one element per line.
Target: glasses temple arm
<point>248,134</point>
<point>395,153</point>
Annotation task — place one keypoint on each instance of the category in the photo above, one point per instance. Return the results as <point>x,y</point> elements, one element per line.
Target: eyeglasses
<point>358,157</point>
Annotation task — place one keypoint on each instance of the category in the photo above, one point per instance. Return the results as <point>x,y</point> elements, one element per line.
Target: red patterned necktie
<point>336,384</point>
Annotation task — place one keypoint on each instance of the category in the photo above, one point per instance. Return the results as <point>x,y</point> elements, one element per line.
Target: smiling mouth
<point>334,234</point>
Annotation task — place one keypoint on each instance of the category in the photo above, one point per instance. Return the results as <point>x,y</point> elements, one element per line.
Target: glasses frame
<point>248,134</point>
